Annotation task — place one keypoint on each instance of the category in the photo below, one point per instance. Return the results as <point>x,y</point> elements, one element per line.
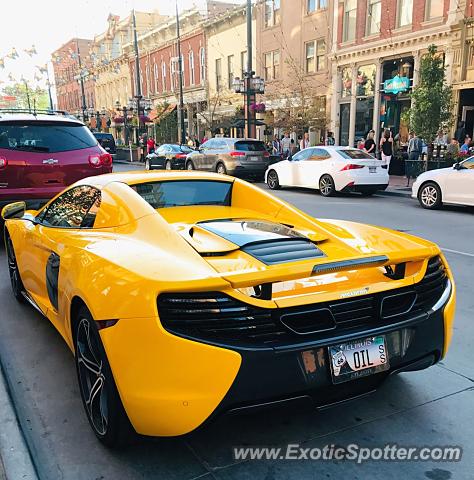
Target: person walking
<point>293,147</point>
<point>285,145</point>
<point>330,141</point>
<point>276,146</point>
<point>304,142</point>
<point>369,145</point>
<point>150,145</point>
<point>460,133</point>
<point>415,147</point>
<point>386,146</point>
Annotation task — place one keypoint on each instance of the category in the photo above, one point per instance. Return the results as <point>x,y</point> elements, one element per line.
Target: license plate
<point>254,159</point>
<point>372,169</point>
<point>359,358</point>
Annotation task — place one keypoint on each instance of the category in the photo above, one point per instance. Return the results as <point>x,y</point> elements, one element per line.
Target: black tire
<point>148,165</point>
<point>273,181</point>
<point>190,165</point>
<point>327,188</point>
<point>220,168</point>
<point>168,165</point>
<point>15,279</point>
<point>430,196</point>
<point>99,394</point>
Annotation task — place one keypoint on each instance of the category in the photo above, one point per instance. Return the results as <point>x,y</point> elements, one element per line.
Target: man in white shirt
<point>285,145</point>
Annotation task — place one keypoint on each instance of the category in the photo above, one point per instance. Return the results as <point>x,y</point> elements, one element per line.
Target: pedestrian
<point>386,146</point>
<point>293,147</point>
<point>142,146</point>
<point>466,145</point>
<point>330,141</point>
<point>415,147</point>
<point>441,139</point>
<point>276,146</point>
<point>460,133</point>
<point>285,145</point>
<point>453,148</point>
<point>197,144</point>
<point>369,145</point>
<point>304,142</point>
<point>150,145</point>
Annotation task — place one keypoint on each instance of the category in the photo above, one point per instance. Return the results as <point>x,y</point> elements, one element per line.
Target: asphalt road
<point>432,407</point>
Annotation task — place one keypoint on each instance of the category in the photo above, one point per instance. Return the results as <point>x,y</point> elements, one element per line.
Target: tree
<point>299,105</point>
<point>38,96</point>
<point>431,98</point>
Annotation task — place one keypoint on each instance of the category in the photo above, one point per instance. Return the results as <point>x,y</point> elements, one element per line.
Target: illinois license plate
<point>372,169</point>
<point>359,358</point>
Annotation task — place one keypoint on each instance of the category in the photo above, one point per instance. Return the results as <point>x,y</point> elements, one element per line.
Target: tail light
<point>235,153</point>
<point>3,162</point>
<point>266,154</point>
<point>181,155</point>
<point>352,166</point>
<point>102,160</point>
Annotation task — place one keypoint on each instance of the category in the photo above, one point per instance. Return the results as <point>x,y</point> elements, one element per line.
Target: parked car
<point>42,153</point>
<point>446,185</point>
<point>107,141</point>
<point>186,295</point>
<point>330,170</point>
<point>239,157</point>
<point>168,156</point>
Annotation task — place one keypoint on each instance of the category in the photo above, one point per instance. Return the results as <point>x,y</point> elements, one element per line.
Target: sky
<point>48,24</point>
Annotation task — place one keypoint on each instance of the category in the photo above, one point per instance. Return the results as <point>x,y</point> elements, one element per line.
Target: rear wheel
<point>99,393</point>
<point>148,164</point>
<point>190,166</point>
<point>273,181</point>
<point>221,168</point>
<point>326,186</point>
<point>167,165</point>
<point>15,280</point>
<point>429,196</point>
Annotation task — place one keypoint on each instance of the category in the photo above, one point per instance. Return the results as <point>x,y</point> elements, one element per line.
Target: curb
<point>126,162</point>
<point>394,193</point>
<point>14,453</point>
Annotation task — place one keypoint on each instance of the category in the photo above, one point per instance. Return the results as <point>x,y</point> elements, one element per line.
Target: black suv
<point>106,141</point>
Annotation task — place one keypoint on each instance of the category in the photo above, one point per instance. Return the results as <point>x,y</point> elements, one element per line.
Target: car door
<point>295,170</point>
<point>158,160</point>
<point>199,158</point>
<point>314,164</point>
<point>459,184</point>
<point>213,157</point>
<point>48,238</point>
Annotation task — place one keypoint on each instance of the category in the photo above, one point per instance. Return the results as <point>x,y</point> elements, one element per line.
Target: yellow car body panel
<point>170,385</point>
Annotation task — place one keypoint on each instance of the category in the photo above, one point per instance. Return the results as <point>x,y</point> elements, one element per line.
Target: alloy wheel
<point>429,196</point>
<point>221,169</point>
<point>147,165</point>
<point>91,377</point>
<point>326,186</point>
<point>13,267</point>
<point>272,180</point>
<point>190,166</point>
<point>168,165</point>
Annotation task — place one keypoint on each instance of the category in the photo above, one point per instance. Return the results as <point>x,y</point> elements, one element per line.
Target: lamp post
<point>181,98</point>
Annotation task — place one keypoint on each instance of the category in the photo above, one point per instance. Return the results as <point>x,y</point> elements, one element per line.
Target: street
<point>427,408</point>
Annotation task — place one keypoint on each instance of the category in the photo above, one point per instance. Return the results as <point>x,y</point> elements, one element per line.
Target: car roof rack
<point>36,111</point>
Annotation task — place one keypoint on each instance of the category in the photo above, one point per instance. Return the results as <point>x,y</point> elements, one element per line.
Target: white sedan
<point>330,170</point>
<point>446,185</point>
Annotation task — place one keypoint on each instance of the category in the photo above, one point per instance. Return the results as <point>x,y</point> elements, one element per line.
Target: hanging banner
<point>396,85</point>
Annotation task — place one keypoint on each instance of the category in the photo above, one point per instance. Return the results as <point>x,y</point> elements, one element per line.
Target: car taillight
<point>181,155</point>
<point>104,159</point>
<point>266,154</point>
<point>235,153</point>
<point>352,166</point>
<point>3,162</point>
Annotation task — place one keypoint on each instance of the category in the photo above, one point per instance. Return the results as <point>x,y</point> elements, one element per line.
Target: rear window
<point>181,148</point>
<point>185,193</point>
<point>102,136</point>
<point>356,154</point>
<point>45,136</point>
<point>248,146</point>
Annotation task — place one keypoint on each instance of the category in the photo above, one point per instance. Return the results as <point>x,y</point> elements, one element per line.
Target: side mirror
<point>457,166</point>
<point>13,210</point>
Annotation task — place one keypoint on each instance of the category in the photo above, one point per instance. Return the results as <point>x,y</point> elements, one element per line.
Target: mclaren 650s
<point>185,295</point>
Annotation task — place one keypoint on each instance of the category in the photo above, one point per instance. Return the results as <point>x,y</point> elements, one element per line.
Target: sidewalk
<point>398,187</point>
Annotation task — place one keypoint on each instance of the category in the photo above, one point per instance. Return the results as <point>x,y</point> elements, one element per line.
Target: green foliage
<point>38,96</point>
<point>431,98</point>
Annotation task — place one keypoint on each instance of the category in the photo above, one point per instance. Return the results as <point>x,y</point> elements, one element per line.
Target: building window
<point>243,63</point>
<point>202,64</point>
<point>230,71</point>
<point>272,65</point>
<point>366,80</point>
<point>218,73</point>
<point>315,56</point>
<point>192,78</point>
<point>155,75</point>
<point>405,12</point>
<point>374,14</point>
<point>163,76</point>
<point>314,5</point>
<point>350,20</point>
<point>172,74</point>
<point>272,13</point>
<point>346,82</point>
<point>434,9</point>
<point>147,71</point>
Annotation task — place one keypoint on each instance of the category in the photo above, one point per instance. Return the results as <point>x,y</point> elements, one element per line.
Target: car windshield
<point>45,136</point>
<point>355,154</point>
<point>180,193</point>
<point>249,146</point>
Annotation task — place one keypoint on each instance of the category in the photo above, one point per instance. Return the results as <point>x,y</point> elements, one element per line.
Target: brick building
<point>67,74</point>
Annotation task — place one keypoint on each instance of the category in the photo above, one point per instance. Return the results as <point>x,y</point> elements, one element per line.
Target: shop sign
<point>396,85</point>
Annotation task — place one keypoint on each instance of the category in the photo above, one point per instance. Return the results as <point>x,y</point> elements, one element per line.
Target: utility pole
<point>181,98</point>
<point>138,83</point>
<point>49,89</point>
<point>81,80</point>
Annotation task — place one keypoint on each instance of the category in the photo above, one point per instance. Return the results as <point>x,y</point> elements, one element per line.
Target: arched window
<point>163,75</point>
<point>155,77</point>
<point>202,64</point>
<point>192,79</point>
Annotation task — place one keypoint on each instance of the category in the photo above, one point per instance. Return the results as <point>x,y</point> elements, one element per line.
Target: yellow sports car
<point>184,295</point>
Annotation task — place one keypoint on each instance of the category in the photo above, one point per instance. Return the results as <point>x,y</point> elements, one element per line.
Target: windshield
<point>355,154</point>
<point>182,193</point>
<point>45,136</point>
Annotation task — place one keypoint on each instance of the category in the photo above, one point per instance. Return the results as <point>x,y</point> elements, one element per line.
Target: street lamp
<point>124,112</point>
